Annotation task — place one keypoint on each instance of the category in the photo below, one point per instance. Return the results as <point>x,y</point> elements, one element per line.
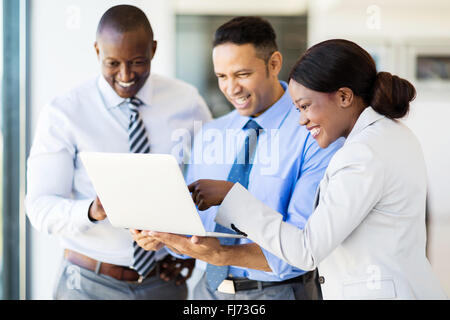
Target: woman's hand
<point>204,248</point>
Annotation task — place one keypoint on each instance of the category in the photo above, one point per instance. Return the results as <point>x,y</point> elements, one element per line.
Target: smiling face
<point>125,59</point>
<point>247,81</point>
<point>327,116</point>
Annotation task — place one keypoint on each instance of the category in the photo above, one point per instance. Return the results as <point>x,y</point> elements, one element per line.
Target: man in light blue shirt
<point>288,165</point>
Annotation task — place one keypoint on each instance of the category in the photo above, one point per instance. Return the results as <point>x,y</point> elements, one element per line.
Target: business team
<point>365,201</point>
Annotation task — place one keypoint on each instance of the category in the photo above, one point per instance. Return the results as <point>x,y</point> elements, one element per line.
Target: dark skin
<point>125,60</point>
<point>210,250</point>
<point>208,193</point>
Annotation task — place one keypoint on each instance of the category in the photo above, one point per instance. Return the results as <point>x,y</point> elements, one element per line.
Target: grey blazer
<point>367,233</point>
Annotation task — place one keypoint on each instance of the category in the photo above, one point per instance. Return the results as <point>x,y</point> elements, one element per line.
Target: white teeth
<point>241,100</point>
<point>315,132</point>
<point>125,84</point>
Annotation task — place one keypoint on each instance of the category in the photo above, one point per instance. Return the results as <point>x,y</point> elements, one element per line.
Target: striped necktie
<point>239,172</point>
<point>143,261</point>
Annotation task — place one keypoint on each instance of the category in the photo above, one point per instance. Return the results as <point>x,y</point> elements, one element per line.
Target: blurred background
<point>47,48</point>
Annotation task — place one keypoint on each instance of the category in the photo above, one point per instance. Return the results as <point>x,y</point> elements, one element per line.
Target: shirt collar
<point>366,118</point>
<point>112,99</point>
<point>273,117</point>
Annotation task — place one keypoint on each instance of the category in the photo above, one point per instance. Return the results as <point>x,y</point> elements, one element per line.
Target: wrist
<point>230,186</point>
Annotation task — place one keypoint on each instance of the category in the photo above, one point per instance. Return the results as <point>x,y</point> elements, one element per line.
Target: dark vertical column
<point>11,147</point>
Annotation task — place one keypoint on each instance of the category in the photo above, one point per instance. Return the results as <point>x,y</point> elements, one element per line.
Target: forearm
<point>247,255</point>
<point>49,202</point>
<point>282,239</point>
<point>59,216</point>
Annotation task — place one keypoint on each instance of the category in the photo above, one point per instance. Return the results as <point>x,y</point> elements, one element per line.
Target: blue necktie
<point>143,261</point>
<point>239,172</point>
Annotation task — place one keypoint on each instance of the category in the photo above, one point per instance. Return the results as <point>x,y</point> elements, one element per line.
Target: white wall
<point>62,56</point>
<point>396,28</point>
<point>239,7</point>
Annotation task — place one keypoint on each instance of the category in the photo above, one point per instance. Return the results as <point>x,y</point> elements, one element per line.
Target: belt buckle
<point>227,286</point>
<point>141,278</point>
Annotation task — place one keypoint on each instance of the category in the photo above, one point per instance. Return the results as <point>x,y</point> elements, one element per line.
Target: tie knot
<point>251,124</point>
<point>134,102</point>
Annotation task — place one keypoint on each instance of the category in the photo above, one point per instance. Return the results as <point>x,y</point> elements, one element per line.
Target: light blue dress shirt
<point>287,169</point>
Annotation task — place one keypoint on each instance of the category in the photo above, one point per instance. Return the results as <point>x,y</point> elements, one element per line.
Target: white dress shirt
<point>92,117</point>
<point>367,234</point>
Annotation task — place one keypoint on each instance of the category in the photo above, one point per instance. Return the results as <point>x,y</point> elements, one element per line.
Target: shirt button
<point>321,280</point>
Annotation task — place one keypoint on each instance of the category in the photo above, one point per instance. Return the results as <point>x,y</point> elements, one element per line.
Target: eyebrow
<point>299,99</point>
<point>238,71</point>
<point>135,58</point>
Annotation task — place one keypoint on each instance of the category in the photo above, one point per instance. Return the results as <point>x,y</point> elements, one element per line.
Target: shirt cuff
<point>80,212</point>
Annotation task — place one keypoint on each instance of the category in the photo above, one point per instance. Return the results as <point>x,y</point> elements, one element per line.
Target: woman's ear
<point>345,96</point>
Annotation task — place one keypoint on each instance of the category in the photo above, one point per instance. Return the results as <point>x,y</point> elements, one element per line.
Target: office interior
<point>47,48</point>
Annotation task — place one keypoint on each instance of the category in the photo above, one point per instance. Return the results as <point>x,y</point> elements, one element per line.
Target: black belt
<point>242,284</point>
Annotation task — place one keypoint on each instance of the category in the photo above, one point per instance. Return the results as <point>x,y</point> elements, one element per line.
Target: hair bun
<point>391,95</point>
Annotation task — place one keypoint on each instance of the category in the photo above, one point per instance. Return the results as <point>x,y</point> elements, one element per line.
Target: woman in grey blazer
<point>367,234</point>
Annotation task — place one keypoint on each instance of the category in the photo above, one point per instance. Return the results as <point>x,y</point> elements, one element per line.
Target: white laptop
<point>145,192</point>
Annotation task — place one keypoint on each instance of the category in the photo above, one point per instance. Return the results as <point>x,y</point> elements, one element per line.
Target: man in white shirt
<point>97,116</point>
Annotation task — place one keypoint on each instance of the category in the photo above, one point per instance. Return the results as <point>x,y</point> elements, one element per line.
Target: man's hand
<point>171,267</point>
<point>96,211</point>
<point>176,269</point>
<point>204,248</point>
<point>145,242</point>
<point>208,193</point>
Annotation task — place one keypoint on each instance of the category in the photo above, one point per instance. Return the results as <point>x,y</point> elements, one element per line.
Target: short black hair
<point>248,30</point>
<point>124,18</point>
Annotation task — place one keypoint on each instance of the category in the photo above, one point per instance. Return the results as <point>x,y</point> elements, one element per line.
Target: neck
<point>277,93</point>
<point>356,113</point>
